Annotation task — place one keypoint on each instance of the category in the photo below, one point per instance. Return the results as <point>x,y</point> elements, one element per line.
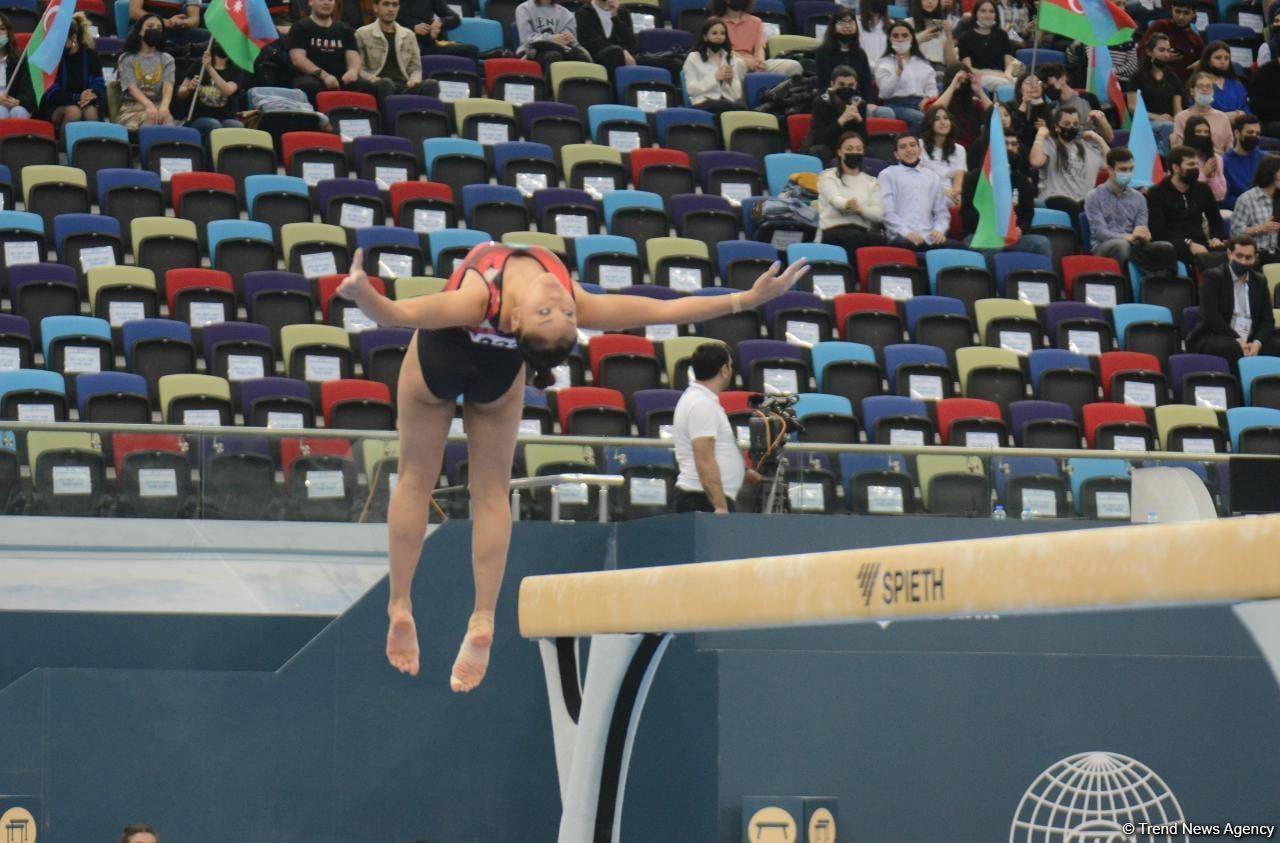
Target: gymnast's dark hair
<point>541,358</point>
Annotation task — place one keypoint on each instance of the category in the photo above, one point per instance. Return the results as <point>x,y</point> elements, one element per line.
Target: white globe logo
<point>1090,798</point>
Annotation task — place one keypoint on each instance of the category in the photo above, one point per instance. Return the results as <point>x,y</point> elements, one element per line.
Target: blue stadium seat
<point>912,354</point>
<point>896,412</point>
<point>91,385</point>
<point>1241,419</point>
<point>753,258</point>
<point>456,241</point>
<point>755,84</point>
<point>223,232</point>
<point>1084,470</point>
<point>936,260</point>
<point>665,120</point>
<point>484,34</point>
<point>780,166</point>
<point>919,307</point>
<point>826,354</point>
<point>1254,368</point>
<point>258,185</point>
<point>142,330</point>
<point>815,402</point>
<point>644,77</point>
<point>596,244</point>
<point>627,117</point>
<point>37,386</point>
<point>436,148</point>
<point>1007,262</point>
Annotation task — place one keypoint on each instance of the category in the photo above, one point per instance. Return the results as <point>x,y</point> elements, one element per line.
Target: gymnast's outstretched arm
<point>617,313</point>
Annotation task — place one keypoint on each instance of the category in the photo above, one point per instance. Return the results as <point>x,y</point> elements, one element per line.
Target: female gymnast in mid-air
<point>503,309</point>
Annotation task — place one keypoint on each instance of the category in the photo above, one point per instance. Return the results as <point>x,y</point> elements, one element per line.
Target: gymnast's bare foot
<point>473,656</point>
<point>402,641</point>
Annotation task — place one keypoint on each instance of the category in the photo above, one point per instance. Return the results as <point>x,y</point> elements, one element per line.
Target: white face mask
<point>1204,100</point>
<point>901,47</point>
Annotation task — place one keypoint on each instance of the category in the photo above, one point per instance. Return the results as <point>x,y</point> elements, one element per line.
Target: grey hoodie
<point>536,22</point>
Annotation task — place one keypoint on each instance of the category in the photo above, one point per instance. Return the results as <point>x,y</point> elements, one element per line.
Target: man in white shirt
<point>711,466</point>
<point>916,215</point>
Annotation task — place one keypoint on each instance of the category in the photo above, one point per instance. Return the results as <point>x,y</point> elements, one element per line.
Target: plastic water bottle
<point>1152,518</point>
<point>999,514</point>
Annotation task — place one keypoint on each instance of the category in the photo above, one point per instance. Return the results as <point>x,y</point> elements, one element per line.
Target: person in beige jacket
<point>850,208</point>
<point>712,76</point>
<point>389,54</point>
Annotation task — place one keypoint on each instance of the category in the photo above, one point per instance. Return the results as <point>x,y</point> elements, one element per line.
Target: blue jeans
<point>1163,130</point>
<point>908,110</point>
<point>16,111</point>
<point>205,125</point>
<point>1036,244</point>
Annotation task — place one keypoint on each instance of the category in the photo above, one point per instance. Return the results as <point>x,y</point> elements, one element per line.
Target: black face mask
<point>1158,64</point>
<point>738,5</point>
<point>1068,133</point>
<point>1202,145</point>
<point>1216,71</point>
<point>1248,144</point>
<point>852,160</point>
<point>844,94</point>
<point>1191,176</point>
<point>153,37</point>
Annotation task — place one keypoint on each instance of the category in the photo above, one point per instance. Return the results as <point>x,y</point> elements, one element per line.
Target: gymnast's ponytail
<point>541,358</point>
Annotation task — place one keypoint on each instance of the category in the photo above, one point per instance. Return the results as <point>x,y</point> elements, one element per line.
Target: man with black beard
<point>1240,162</point>
<point>1180,207</point>
<point>837,111</point>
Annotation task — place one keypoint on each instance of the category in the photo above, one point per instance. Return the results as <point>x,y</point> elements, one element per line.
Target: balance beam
<point>632,615</point>
<point>1157,564</point>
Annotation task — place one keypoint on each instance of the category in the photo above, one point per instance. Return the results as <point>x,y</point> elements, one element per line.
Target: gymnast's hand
<point>356,286</point>
<point>772,284</point>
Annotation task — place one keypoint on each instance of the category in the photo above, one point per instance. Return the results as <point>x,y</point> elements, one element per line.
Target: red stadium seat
<point>1099,414</point>
<point>293,142</point>
<point>1113,363</point>
<point>952,410</point>
<point>183,183</point>
<point>124,444</point>
<point>736,401</point>
<point>798,129</point>
<point>291,449</point>
<point>327,288</point>
<point>14,126</point>
<point>593,399</point>
<point>358,404</point>
<point>885,126</point>
<point>494,69</point>
<point>190,281</point>
<point>869,256</point>
<point>647,157</point>
<point>1074,266</point>
<point>327,101</point>
<point>608,344</point>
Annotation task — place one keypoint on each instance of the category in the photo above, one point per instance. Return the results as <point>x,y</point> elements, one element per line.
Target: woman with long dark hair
<point>13,103</point>
<point>933,31</point>
<point>1198,135</point>
<point>79,90</point>
<point>840,48</point>
<point>850,209</point>
<point>966,101</point>
<point>503,310</point>
<point>904,78</point>
<point>874,18</point>
<point>1229,94</point>
<point>985,49</point>
<point>712,75</point>
<point>940,153</point>
<point>1161,90</point>
<point>1069,161</point>
<point>146,76</point>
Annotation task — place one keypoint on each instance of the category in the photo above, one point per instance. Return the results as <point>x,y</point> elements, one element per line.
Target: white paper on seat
<point>624,141</point>
<point>981,439</point>
<point>1084,342</point>
<point>207,313</point>
<point>384,177</point>
<point>571,225</point>
<point>1213,397</point>
<point>828,286</point>
<point>648,491</point>
<point>169,167</point>
<point>490,133</point>
<point>394,265</point>
<point>36,413</point>
<point>355,321</point>
<point>285,420</point>
<point>530,427</point>
<point>884,500</point>
<point>735,191</point>
<point>530,183</point>
<point>97,256</point>
<point>320,367</point>
<point>72,480</point>
<point>806,497</point>
<point>668,431</point>
<point>563,376</point>
<point>518,93</point>
<point>324,484</point>
<point>651,101</point>
<point>1140,393</point>
<point>81,358</point>
<point>658,333</point>
<point>18,252</point>
<point>314,172</point>
<point>355,216</point>
<point>353,128</point>
<point>119,312</point>
<point>1198,445</point>
<point>426,221</point>
<point>641,21</point>
<point>905,436</point>
<point>896,287</point>
<point>743,433</point>
<point>599,185</point>
<point>613,277</point>
<point>925,387</point>
<point>10,359</point>
<point>451,90</point>
<point>771,29</point>
<point>1033,292</point>
<point>573,493</point>
<point>243,367</point>
<point>1039,503</point>
<point>1100,295</point>
<point>201,418</point>
<point>1112,505</point>
<point>784,237</point>
<point>1018,342</point>
<point>157,483</point>
<point>1123,442</point>
<point>781,380</point>
<point>807,332</point>
<point>318,263</point>
<point>684,279</point>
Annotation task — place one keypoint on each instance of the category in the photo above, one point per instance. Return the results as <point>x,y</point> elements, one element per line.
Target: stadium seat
<point>241,153</point>
<point>352,114</point>
<point>455,162</point>
<point>939,321</point>
<point>276,403</point>
<point>830,274</point>
<point>1079,327</point>
<point>620,127</point>
<point>314,249</point>
<point>710,219</point>
<point>526,166</point>
<point>50,190</point>
<point>1203,380</point>
<point>238,351</point>
<point>237,478</point>
<point>896,420</point>
<point>75,344</point>
<point>754,133</point>
<point>22,238</point>
<point>954,485</point>
<point>24,143</point>
<point>665,172</point>
<point>1027,277</point>
<point>592,411</point>
<point>780,166</point>
<point>319,479</point>
<point>128,195</point>
<point>113,398</point>
<point>277,200</point>
<point>1044,424</point>
<point>680,263</point>
<point>772,366</point>
<point>798,317</point>
<point>611,261</point>
<point>494,209</point>
<point>1191,429</point>
<point>1010,324</point>
<point>122,293</point>
<point>1254,430</point>
<point>203,198</point>
<point>648,88</point>
<point>566,212</point>
<point>869,319</point>
<point>350,203</point>
<point>1146,328</point>
<point>636,214</point>
<point>84,241</point>
<point>15,342</point>
<point>1094,280</point>
<point>1117,427</point>
<point>1030,487</point>
<point>991,373</point>
<point>918,371</point>
<point>960,274</point>
<point>580,84</point>
<point>94,146</point>
<point>160,243</point>
<point>414,118</point>
<point>1100,488</point>
<point>68,473</point>
<point>517,81</point>
<point>34,395</point>
<point>423,206</point>
<point>449,248</point>
<point>240,247</point>
<point>826,418</point>
<point>167,150</point>
<point>342,312</point>
<point>1132,378</point>
<point>732,174</point>
<point>195,400</point>
<point>971,422</point>
<point>154,348</point>
<point>313,157</point>
<point>486,121</point>
<point>316,353</point>
<point>153,476</point>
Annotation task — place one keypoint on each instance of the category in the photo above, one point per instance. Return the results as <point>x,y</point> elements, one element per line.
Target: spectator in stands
<point>429,19</point>
<point>711,466</point>
<point>965,100</point>
<point>1030,109</point>
<point>1118,218</point>
<point>840,48</point>
<point>986,50</point>
<point>1161,90</point>
<point>941,154</point>
<point>1201,90</point>
<point>837,111</point>
<point>607,35</point>
<point>1198,138</point>
<point>548,33</point>
<point>933,32</point>
<point>139,833</point>
<point>915,206</point>
<point>1241,161</point>
<point>1271,32</point>
<point>1229,95</point>
<point>180,22</point>
<point>747,37</point>
<point>79,89</point>
<point>873,35</point>
<point>146,76</point>
<point>712,74</point>
<point>324,55</point>
<point>1180,208</point>
<point>850,209</point>
<point>389,55</point>
<point>904,78</point>
<point>219,94</point>
<point>1024,206</point>
<point>16,96</point>
<point>1058,89</point>
<point>1255,211</point>
<point>1235,308</point>
<point>1264,82</point>
<point>1068,161</point>
<point>1185,46</point>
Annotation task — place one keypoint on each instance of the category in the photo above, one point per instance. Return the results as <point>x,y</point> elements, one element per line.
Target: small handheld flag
<point>1104,85</point>
<point>993,196</point>
<point>1091,22</point>
<point>242,27</point>
<point>44,50</point>
<point>1148,170</point>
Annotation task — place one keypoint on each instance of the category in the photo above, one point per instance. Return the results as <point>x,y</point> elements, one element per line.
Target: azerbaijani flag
<point>1104,85</point>
<point>1148,169</point>
<point>242,27</point>
<point>1091,22</point>
<point>44,50</point>
<point>993,196</point>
